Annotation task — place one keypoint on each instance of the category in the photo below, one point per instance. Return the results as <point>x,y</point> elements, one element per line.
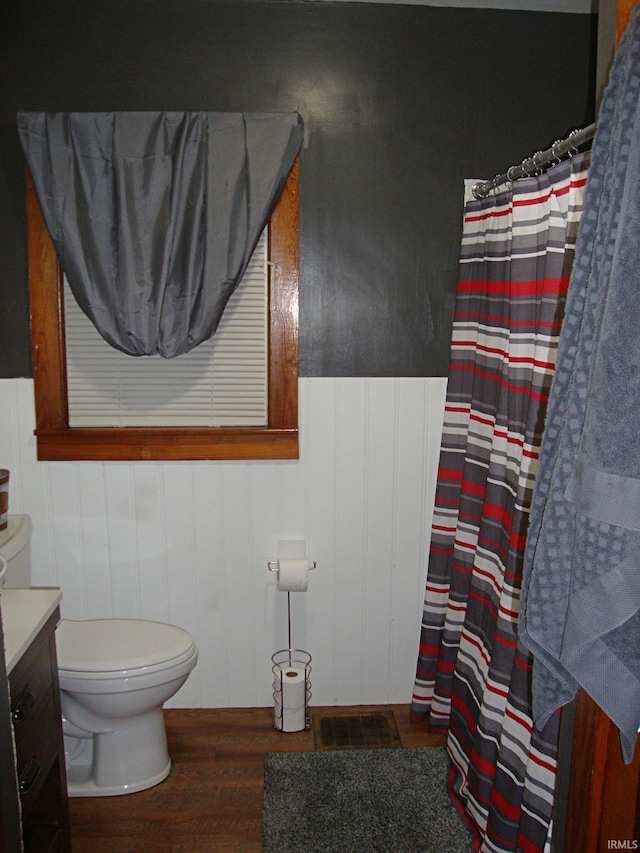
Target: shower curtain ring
<point>555,156</point>
<point>537,170</point>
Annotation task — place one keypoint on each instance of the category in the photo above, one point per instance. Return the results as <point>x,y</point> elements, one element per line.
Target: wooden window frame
<point>56,440</point>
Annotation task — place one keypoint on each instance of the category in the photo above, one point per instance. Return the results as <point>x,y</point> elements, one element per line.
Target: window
<point>57,439</point>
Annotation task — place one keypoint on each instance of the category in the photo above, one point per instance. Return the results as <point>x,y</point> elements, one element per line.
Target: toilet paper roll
<point>293,719</point>
<point>294,685</point>
<point>293,575</point>
<point>296,721</point>
<point>290,699</point>
<point>277,706</point>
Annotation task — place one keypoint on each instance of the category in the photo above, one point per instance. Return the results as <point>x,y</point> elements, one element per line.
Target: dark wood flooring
<point>212,800</point>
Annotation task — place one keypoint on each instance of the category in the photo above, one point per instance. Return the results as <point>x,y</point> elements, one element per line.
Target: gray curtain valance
<point>155,215</point>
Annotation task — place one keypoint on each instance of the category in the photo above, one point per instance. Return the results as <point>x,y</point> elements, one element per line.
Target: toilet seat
<point>113,648</point>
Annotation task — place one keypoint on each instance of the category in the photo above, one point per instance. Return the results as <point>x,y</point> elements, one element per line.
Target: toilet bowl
<point>115,675</point>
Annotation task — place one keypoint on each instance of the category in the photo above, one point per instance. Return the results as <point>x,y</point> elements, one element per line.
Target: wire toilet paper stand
<point>291,680</point>
<point>291,690</point>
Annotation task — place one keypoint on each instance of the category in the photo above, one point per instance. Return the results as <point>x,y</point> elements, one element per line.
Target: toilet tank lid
<point>110,645</point>
<point>15,536</point>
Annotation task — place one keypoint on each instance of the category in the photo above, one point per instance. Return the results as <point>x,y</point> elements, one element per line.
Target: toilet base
<point>80,784</point>
<point>130,758</point>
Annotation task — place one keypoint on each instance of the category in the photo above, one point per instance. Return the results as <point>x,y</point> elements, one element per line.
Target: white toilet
<point>115,675</point>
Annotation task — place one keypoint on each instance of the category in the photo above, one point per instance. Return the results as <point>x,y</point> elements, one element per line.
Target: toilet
<point>115,675</point>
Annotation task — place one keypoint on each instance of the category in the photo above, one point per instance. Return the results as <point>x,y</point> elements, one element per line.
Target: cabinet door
<point>37,725</point>
<point>10,830</point>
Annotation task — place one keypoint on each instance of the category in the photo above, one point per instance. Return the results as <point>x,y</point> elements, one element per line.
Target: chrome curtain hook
<point>556,157</point>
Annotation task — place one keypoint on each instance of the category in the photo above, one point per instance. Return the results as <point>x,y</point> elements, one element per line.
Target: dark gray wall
<point>400,104</point>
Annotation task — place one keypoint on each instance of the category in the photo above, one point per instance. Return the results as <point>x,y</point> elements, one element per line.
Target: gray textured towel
<point>580,612</point>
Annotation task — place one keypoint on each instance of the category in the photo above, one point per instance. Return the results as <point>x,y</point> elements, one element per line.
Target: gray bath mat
<point>361,801</point>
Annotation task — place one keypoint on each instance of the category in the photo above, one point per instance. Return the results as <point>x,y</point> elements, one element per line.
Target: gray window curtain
<point>155,215</point>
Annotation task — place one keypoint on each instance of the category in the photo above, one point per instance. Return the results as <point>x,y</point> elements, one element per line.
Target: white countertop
<point>24,612</point>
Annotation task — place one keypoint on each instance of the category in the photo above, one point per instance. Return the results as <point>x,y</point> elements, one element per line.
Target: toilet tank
<point>15,547</point>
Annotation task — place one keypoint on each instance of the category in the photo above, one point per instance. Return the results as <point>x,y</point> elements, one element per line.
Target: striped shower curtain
<point>473,675</point>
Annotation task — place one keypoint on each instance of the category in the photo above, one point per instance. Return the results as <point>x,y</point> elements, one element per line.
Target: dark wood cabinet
<point>37,726</point>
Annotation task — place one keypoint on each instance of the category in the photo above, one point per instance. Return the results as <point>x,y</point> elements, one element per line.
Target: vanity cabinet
<point>37,727</point>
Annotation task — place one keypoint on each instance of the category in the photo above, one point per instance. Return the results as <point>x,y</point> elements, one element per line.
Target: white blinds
<point>222,382</point>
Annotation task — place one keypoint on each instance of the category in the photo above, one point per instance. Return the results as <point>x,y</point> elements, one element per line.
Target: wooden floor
<point>212,800</point>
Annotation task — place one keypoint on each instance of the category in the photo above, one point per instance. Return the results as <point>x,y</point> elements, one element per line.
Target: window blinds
<point>222,382</point>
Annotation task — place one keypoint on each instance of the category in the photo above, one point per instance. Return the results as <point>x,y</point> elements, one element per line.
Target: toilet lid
<point>108,645</point>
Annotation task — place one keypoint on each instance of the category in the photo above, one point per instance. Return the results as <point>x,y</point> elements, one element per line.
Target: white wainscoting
<point>188,543</point>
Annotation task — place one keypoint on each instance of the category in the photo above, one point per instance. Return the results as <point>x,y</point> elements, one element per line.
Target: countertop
<point>24,612</point>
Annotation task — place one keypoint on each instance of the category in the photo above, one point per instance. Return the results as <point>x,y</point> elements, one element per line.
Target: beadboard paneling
<point>188,543</point>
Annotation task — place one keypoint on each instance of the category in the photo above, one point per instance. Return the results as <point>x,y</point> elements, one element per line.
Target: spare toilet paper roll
<point>294,685</point>
<point>293,719</point>
<point>290,699</point>
<point>290,719</point>
<point>293,575</point>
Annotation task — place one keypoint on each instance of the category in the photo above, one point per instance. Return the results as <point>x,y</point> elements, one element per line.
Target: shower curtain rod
<point>542,158</point>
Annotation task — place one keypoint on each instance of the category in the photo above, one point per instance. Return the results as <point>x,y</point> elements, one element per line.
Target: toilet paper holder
<point>273,565</point>
<point>291,698</point>
<point>291,711</point>
<point>290,549</point>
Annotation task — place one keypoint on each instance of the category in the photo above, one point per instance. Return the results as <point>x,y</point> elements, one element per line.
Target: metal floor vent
<point>372,730</point>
